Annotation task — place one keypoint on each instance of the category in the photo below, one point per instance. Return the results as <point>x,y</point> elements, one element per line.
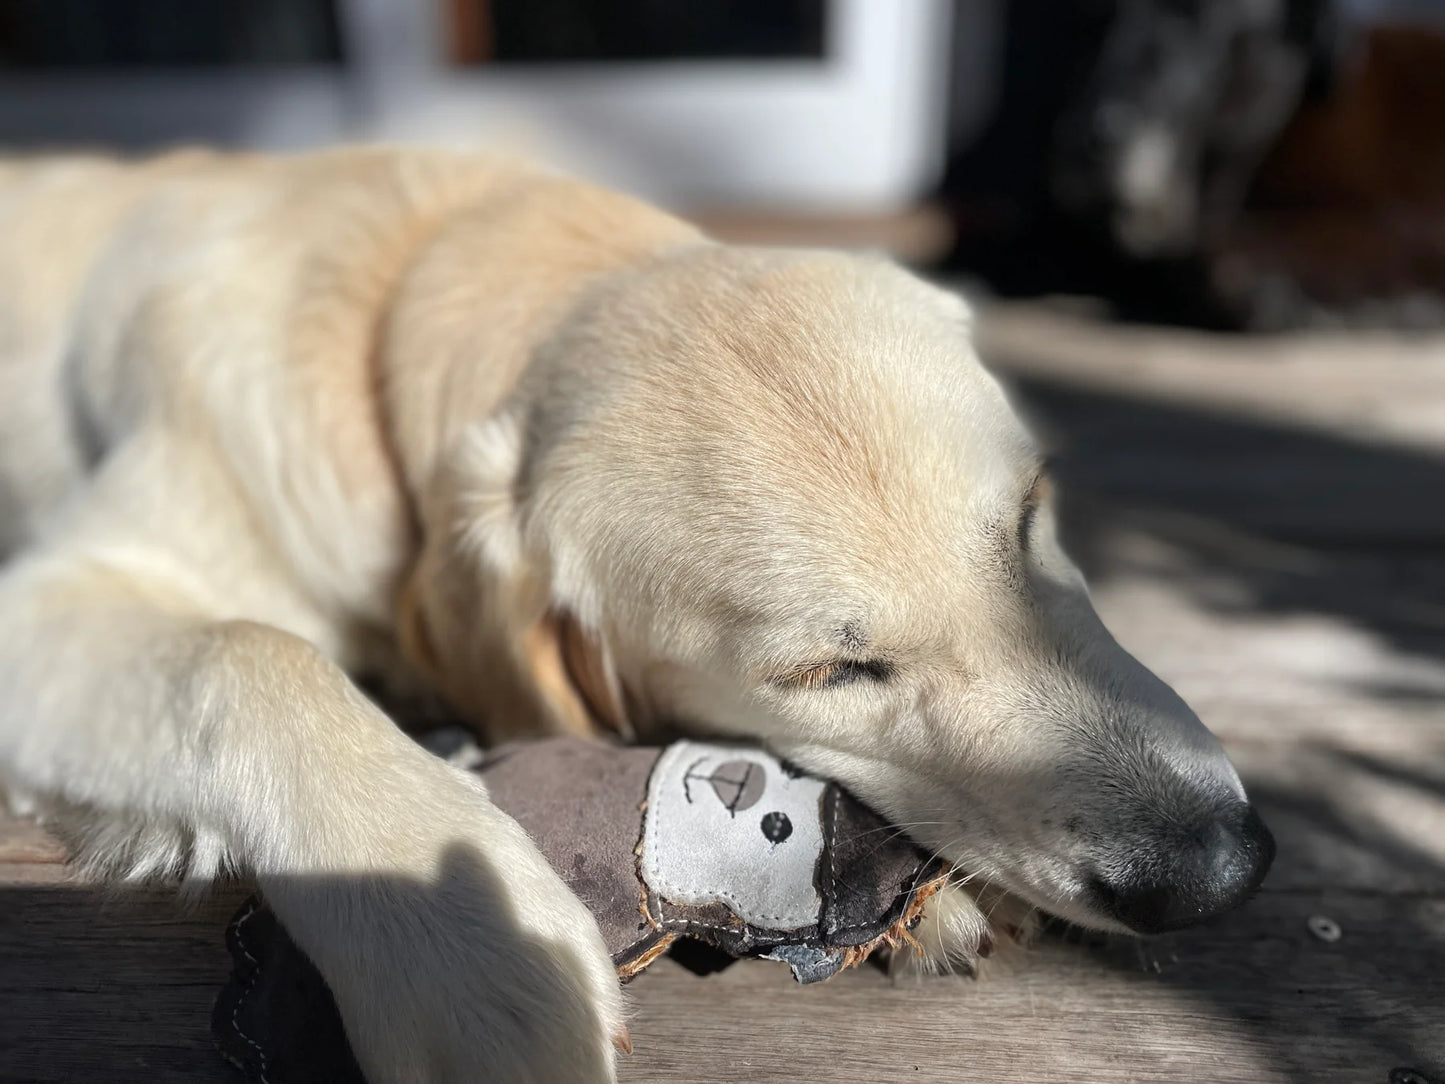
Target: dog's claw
<point>623,1040</point>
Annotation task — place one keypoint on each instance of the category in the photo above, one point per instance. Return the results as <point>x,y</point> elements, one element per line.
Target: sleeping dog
<point>559,458</point>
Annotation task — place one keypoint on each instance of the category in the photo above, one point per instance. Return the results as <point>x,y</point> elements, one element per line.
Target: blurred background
<point>1222,163</point>
<point>1207,242</point>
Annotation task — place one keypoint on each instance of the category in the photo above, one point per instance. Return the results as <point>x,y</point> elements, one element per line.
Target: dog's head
<point>774,494</point>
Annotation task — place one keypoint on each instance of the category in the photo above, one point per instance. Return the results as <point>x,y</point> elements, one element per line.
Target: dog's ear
<point>478,617</point>
<point>593,676</point>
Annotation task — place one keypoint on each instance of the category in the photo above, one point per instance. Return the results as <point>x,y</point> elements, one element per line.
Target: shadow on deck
<point>1264,519</point>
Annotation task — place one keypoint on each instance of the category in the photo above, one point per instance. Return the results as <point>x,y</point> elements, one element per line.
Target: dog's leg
<point>454,951</point>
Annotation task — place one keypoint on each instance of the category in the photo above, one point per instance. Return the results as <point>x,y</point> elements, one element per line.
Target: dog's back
<point>192,282</point>
<point>56,216</point>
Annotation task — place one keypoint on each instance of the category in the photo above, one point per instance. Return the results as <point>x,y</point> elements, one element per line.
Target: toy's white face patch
<point>727,824</point>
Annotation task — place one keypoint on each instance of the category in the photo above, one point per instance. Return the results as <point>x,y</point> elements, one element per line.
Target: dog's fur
<point>552,453</point>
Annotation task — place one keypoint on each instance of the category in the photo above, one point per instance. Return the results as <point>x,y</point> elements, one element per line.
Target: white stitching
<point>738,925</point>
<point>251,909</point>
<point>731,900</point>
<point>830,898</point>
<point>628,948</point>
<point>831,842</point>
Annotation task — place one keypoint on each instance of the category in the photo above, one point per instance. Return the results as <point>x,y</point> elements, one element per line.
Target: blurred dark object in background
<point>1126,141</point>
<point>1256,164</point>
<point>1347,214</point>
<point>1225,163</point>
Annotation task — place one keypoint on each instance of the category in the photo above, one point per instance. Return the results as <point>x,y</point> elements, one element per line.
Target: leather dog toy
<point>725,844</point>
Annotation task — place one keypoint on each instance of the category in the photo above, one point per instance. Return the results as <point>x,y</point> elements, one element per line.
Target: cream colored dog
<point>549,451</point>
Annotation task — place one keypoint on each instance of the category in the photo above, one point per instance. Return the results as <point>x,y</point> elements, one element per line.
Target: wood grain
<point>1263,524</point>
<point>1255,998</point>
<point>119,989</point>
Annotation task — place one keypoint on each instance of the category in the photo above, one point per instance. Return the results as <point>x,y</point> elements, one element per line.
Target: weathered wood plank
<point>120,990</point>
<point>1371,386</point>
<point>913,235</point>
<point>24,841</point>
<point>1253,998</point>
<point>109,986</point>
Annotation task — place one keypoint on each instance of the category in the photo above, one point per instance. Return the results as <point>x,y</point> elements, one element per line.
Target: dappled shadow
<point>1299,521</point>
<point>1262,518</point>
<point>1312,1009</point>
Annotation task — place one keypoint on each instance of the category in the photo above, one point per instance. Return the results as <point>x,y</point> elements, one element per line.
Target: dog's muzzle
<point>1205,872</point>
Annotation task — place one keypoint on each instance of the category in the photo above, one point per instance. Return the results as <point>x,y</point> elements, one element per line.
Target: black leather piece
<point>868,872</point>
<point>275,1019</point>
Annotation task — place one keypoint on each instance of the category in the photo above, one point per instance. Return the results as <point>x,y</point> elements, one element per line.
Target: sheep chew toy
<point>725,844</point>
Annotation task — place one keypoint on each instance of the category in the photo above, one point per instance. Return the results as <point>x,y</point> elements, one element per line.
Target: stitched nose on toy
<point>1205,872</point>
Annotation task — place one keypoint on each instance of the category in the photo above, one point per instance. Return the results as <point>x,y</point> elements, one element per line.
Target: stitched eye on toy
<point>776,826</point>
<point>829,675</point>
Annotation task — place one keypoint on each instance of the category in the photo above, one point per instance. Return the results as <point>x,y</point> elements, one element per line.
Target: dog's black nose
<point>1203,873</point>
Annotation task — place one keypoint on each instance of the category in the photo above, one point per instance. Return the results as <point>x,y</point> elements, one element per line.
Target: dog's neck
<point>483,294</point>
<point>478,299</point>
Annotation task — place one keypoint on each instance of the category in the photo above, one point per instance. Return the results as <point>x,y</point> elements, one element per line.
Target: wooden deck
<point>1264,522</point>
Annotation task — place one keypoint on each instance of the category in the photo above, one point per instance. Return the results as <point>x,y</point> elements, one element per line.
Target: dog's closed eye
<point>1037,494</point>
<point>1026,525</point>
<point>835,672</point>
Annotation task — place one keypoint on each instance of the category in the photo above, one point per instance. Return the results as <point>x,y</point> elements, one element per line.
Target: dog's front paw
<point>962,926</point>
<point>482,965</point>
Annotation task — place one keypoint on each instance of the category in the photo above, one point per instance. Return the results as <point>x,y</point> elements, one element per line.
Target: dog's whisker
<point>896,830</point>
